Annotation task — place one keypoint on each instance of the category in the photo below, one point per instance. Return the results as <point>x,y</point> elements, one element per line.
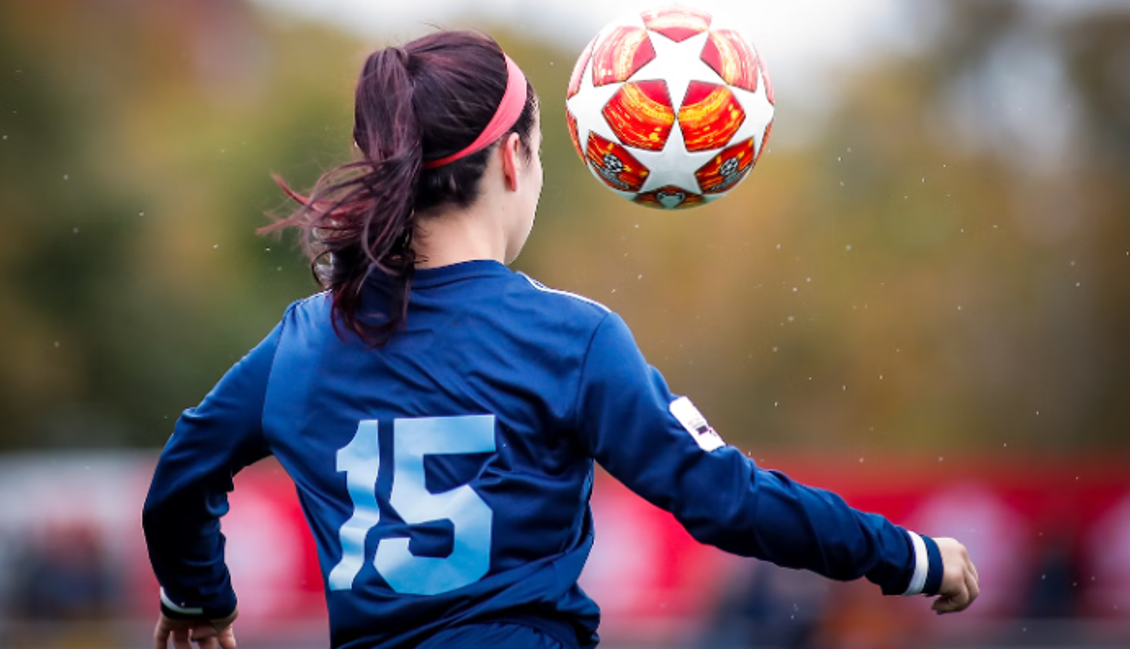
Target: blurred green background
<point>932,259</point>
<point>933,256</point>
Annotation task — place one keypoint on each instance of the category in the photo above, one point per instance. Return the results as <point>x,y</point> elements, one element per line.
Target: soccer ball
<point>669,108</point>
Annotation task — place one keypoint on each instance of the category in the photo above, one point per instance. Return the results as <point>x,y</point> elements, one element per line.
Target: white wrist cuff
<point>179,609</point>
<point>921,565</point>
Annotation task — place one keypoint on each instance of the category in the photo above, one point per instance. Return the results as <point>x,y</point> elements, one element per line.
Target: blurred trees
<point>944,266</point>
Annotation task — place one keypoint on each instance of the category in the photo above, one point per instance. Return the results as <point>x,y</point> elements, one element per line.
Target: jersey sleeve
<point>660,447</point>
<point>189,492</point>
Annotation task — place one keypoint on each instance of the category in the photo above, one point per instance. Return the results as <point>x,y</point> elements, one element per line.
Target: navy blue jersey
<point>446,476</point>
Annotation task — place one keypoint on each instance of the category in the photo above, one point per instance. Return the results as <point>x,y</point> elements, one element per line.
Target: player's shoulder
<point>312,308</point>
<point>565,304</point>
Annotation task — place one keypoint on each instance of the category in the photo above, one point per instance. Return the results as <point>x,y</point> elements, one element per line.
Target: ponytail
<point>360,216</point>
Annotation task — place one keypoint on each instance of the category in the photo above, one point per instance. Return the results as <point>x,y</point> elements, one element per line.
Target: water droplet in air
<point>141,213</point>
<point>639,276</point>
<point>76,230</point>
<point>56,343</point>
<point>794,289</point>
<point>5,137</point>
<point>215,245</point>
<point>959,307</point>
<point>774,349</point>
<point>66,176</point>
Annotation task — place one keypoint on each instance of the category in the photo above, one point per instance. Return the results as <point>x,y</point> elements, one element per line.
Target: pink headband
<point>509,109</point>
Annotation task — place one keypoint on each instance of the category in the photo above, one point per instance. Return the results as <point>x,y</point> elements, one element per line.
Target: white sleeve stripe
<point>921,565</point>
<point>545,289</point>
<point>179,609</point>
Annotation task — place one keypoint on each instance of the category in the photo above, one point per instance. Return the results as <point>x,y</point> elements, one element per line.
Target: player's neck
<point>453,236</point>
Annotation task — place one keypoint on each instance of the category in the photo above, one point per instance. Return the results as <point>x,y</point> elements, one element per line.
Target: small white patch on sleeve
<point>176,608</point>
<point>691,419</point>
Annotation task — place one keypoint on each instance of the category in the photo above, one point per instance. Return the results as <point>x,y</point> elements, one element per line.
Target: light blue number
<point>470,516</point>
<point>360,460</point>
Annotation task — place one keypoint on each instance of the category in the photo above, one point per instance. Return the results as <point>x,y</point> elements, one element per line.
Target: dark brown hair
<point>422,101</point>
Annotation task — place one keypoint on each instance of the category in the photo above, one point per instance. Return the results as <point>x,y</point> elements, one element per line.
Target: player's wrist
<point>180,609</point>
<point>937,568</point>
<point>927,567</point>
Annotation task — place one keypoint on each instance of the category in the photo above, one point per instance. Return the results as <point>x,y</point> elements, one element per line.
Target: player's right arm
<point>189,493</point>
<point>651,441</point>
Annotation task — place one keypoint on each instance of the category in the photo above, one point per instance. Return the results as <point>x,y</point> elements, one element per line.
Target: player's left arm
<point>189,492</point>
<point>661,447</point>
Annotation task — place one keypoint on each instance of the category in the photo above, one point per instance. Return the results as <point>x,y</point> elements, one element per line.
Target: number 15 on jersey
<point>470,516</point>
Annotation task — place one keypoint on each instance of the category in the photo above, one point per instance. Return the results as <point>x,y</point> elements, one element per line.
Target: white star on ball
<point>758,114</point>
<point>587,106</point>
<point>674,165</point>
<point>678,64</point>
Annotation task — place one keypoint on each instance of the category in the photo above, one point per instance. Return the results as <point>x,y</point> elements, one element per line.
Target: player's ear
<point>510,150</point>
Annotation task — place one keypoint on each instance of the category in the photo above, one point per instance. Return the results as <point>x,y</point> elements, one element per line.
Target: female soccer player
<point>440,414</point>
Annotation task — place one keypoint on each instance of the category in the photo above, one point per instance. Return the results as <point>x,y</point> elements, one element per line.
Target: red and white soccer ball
<point>670,108</point>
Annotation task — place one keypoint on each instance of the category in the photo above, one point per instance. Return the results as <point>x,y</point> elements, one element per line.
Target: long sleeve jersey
<point>446,476</point>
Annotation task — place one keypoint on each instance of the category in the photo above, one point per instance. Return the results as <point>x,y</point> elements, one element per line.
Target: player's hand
<point>207,634</point>
<point>959,578</point>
